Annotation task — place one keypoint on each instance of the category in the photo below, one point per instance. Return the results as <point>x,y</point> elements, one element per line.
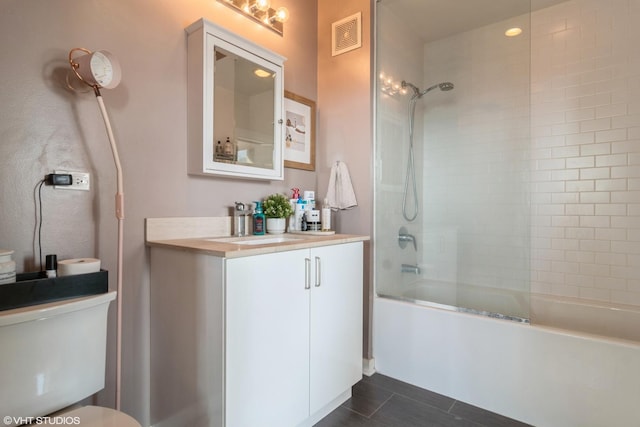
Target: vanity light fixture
<point>258,5</point>
<point>261,12</point>
<point>281,15</point>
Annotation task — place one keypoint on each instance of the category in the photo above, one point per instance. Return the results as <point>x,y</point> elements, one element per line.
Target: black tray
<point>36,288</point>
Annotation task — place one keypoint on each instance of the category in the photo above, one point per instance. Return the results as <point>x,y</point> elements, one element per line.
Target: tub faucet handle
<point>404,237</point>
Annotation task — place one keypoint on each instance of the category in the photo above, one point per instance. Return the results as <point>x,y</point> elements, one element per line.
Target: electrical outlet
<point>79,181</point>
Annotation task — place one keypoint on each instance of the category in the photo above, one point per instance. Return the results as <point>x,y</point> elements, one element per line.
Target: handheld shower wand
<point>411,169</point>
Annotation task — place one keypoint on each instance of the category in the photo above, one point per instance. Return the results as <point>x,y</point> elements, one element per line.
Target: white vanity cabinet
<point>283,343</point>
<point>267,340</point>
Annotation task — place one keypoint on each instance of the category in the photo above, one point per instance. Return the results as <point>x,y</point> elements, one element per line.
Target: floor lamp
<point>98,70</point>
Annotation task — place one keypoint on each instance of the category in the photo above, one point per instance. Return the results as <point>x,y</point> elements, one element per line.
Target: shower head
<point>444,86</point>
<point>416,91</point>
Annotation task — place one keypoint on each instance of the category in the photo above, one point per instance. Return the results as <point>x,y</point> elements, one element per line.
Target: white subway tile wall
<point>585,91</point>
<point>391,153</point>
<point>575,118</point>
<point>530,167</point>
<point>475,164</point>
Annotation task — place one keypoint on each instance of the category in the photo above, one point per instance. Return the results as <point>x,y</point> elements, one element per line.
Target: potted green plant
<point>277,209</point>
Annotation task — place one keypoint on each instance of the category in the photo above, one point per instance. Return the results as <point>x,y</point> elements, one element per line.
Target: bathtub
<point>499,303</point>
<point>608,320</point>
<point>541,375</point>
<point>573,314</point>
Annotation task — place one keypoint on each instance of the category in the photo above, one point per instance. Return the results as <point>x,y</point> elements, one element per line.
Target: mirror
<point>235,105</point>
<point>243,111</point>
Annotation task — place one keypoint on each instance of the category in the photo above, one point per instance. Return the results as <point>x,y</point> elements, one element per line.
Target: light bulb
<point>262,5</point>
<point>282,14</point>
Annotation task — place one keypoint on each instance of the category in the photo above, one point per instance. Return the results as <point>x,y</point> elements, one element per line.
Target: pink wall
<point>43,127</point>
<point>345,132</point>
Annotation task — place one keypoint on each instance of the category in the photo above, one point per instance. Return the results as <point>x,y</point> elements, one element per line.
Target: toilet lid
<point>93,416</point>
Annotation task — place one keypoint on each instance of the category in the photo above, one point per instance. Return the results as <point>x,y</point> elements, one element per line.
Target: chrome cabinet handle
<point>307,273</point>
<point>318,276</point>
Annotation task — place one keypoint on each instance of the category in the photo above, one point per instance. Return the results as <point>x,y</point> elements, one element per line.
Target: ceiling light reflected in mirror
<point>512,32</point>
<point>261,73</point>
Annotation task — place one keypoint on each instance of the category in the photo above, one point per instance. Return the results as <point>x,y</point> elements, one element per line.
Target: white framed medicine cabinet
<point>235,110</point>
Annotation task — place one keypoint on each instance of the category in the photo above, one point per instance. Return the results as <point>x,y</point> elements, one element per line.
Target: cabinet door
<point>229,105</point>
<point>267,340</point>
<point>336,322</point>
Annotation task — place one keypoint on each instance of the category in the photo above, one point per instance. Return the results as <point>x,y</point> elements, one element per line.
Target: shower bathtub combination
<point>540,375</point>
<point>617,321</point>
<point>507,205</point>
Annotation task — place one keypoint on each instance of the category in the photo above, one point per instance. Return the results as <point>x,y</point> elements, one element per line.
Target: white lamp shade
<point>99,68</point>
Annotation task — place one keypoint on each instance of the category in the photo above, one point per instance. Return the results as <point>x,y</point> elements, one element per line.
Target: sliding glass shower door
<point>452,190</point>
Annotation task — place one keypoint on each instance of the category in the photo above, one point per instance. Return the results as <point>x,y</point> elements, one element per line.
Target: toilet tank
<point>53,355</point>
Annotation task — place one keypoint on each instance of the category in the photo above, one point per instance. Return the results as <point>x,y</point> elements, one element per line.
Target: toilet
<point>53,356</point>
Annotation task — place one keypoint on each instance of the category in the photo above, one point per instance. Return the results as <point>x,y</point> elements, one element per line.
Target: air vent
<point>346,34</point>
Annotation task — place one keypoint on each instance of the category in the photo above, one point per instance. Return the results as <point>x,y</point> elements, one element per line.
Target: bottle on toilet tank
<point>51,265</point>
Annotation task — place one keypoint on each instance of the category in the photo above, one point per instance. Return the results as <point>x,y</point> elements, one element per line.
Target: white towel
<point>340,194</point>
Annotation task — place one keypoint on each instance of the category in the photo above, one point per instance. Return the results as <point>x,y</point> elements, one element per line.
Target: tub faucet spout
<point>409,268</point>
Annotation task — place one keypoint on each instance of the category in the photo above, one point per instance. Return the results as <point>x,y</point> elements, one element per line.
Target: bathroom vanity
<point>260,330</point>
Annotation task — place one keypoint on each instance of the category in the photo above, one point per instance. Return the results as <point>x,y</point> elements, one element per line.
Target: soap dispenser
<point>258,220</point>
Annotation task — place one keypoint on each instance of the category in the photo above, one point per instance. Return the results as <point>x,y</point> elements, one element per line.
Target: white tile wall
<point>476,154</point>
<point>585,78</point>
<point>392,152</point>
<point>534,158</point>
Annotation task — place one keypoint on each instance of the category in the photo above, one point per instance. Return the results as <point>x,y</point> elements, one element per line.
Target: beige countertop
<point>232,247</point>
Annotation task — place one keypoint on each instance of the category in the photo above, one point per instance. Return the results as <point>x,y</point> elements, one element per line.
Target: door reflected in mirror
<point>243,111</point>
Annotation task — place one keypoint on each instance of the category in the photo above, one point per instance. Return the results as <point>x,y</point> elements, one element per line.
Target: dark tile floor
<point>381,401</point>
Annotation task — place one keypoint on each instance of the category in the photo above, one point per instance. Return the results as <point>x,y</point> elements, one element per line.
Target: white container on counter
<point>310,197</point>
<point>326,216</point>
<point>7,267</point>
<point>313,220</point>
